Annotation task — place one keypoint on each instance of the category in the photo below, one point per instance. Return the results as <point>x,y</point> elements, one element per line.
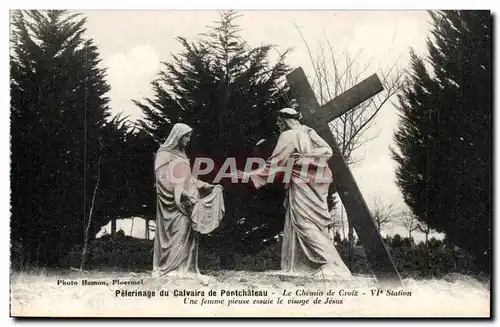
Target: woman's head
<point>178,138</point>
<point>185,140</point>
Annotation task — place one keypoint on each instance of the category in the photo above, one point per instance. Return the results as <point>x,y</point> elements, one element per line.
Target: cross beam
<point>358,212</point>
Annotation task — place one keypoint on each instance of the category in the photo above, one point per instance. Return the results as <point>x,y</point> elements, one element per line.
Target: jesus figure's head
<point>287,119</point>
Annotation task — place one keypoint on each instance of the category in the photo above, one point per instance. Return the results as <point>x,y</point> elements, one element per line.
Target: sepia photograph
<point>251,163</point>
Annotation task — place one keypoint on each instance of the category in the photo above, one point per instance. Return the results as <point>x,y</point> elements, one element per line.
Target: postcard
<point>250,163</point>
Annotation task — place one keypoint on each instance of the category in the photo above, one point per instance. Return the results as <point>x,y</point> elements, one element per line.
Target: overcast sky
<point>132,45</point>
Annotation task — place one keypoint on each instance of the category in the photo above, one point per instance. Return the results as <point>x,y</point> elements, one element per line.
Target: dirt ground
<point>229,294</point>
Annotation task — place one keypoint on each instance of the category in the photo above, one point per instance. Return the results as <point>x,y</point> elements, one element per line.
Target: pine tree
<point>444,141</point>
<point>229,93</point>
<point>59,119</point>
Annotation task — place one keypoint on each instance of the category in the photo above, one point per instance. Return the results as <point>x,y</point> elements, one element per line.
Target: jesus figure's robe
<point>306,245</point>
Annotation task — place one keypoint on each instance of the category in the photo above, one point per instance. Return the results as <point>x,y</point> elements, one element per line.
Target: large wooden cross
<point>358,213</point>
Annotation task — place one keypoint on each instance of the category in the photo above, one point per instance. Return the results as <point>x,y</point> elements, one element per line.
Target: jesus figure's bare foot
<point>328,271</point>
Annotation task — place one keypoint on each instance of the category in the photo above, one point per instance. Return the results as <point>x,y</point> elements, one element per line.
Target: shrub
<point>423,260</point>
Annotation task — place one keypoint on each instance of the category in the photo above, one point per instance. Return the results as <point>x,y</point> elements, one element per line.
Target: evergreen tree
<point>444,140</point>
<point>229,93</point>
<point>132,179</point>
<point>59,128</point>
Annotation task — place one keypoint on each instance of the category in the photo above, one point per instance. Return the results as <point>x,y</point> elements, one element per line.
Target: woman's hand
<point>188,203</point>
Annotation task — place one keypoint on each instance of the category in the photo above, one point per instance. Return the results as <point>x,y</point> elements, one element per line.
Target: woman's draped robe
<point>176,243</point>
<point>306,244</point>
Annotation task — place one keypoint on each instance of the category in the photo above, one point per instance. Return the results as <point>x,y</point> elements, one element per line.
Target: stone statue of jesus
<point>307,247</point>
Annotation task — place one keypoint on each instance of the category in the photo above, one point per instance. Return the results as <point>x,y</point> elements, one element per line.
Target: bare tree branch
<point>424,228</point>
<point>382,213</point>
<point>409,221</point>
